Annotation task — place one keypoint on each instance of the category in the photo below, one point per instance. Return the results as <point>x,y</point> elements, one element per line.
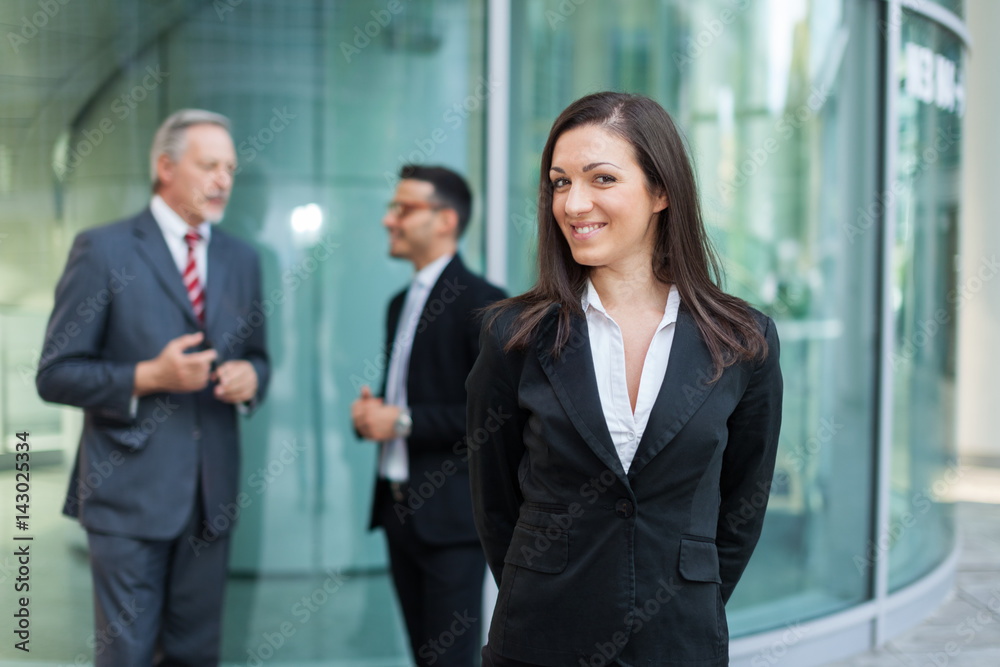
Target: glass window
<point>926,296</point>
<point>327,100</point>
<point>779,106</point>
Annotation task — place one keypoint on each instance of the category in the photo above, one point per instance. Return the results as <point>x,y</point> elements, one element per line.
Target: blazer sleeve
<point>748,465</point>
<point>255,347</point>
<point>71,370</point>
<point>496,447</point>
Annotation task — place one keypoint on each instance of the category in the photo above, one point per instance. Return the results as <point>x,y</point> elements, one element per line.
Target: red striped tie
<point>195,293</point>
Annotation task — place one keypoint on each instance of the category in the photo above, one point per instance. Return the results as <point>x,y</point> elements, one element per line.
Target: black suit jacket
<point>592,561</point>
<point>445,347</point>
<point>119,301</point>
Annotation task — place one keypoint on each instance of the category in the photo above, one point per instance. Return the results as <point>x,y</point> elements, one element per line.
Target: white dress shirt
<point>174,229</point>
<point>608,348</point>
<point>394,463</point>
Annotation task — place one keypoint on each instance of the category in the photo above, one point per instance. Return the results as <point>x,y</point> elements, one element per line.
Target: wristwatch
<point>403,424</point>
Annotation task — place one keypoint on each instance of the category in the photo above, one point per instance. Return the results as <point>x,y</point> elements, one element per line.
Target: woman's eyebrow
<point>592,165</point>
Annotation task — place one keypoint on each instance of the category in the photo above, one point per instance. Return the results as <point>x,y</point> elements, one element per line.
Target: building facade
<point>827,139</point>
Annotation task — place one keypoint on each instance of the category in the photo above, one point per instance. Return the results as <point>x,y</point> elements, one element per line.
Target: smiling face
<point>198,185</point>
<point>420,228</point>
<point>601,202</point>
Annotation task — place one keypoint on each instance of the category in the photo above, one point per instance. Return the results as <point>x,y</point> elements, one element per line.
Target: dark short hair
<point>450,189</point>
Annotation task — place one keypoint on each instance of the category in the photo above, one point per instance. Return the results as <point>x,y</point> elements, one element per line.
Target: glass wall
<point>926,297</point>
<point>779,104</point>
<point>783,107</point>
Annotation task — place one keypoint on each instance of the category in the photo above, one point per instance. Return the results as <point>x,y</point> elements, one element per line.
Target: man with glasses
<point>422,498</point>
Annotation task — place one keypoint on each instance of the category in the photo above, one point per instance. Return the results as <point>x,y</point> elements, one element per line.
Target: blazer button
<point>196,434</point>
<point>624,508</point>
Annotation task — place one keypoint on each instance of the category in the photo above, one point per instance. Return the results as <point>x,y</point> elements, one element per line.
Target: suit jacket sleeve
<point>438,426</point>
<point>496,447</point>
<point>748,465</point>
<point>71,370</point>
<point>255,347</point>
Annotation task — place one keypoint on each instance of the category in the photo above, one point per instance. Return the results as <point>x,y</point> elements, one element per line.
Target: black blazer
<point>592,561</point>
<point>445,347</point>
<point>137,476</point>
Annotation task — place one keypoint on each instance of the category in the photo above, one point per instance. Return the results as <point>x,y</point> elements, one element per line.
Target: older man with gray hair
<point>130,342</point>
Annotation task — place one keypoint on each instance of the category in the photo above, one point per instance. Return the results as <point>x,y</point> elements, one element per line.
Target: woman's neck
<point>635,288</point>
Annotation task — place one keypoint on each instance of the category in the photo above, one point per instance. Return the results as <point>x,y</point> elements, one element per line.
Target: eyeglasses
<point>402,209</point>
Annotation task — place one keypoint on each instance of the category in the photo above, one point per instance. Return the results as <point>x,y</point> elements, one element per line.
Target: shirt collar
<point>173,224</point>
<point>427,276</point>
<point>591,299</point>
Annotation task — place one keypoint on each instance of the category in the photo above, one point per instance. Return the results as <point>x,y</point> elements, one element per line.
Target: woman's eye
<point>559,182</point>
<point>604,179</point>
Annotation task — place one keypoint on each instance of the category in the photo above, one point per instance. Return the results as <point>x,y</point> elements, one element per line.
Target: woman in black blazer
<point>623,414</point>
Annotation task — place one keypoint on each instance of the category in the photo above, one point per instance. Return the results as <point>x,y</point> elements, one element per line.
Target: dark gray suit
<point>160,476</point>
<point>595,565</point>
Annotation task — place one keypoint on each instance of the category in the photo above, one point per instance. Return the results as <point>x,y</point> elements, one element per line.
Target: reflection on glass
<point>925,300</point>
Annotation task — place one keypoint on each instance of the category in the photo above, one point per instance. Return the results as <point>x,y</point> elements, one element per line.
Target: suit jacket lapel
<point>152,247</point>
<point>574,381</point>
<point>217,273</point>
<point>685,387</point>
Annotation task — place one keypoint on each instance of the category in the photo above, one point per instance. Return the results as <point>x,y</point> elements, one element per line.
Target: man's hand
<point>372,418</point>
<point>237,381</point>
<point>174,370</point>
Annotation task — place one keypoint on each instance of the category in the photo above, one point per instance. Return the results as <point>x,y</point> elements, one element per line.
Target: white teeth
<point>588,229</point>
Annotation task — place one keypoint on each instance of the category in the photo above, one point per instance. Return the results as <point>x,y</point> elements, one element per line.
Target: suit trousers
<point>491,659</point>
<point>159,601</point>
<point>440,588</point>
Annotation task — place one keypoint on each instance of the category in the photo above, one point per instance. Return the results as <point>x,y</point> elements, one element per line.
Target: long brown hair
<point>682,254</point>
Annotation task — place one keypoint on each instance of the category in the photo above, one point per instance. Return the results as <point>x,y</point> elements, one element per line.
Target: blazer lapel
<point>217,273</point>
<point>685,387</point>
<point>574,381</point>
<point>153,248</point>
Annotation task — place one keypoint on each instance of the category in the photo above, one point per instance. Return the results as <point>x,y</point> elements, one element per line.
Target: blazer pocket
<point>539,543</point>
<point>699,561</point>
<point>128,435</point>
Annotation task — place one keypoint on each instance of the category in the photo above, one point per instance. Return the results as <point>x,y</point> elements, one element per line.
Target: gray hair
<point>170,138</point>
